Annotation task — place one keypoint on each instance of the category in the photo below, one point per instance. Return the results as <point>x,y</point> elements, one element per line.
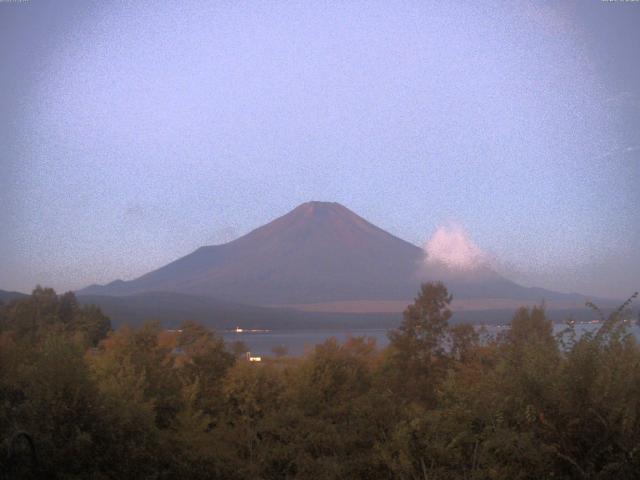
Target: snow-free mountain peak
<point>318,252</point>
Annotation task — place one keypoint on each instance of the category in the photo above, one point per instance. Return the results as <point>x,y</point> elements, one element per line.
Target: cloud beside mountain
<point>452,247</point>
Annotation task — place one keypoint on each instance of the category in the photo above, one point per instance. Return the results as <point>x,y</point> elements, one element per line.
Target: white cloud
<point>452,247</point>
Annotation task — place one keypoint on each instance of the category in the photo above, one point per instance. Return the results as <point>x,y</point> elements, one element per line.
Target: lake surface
<point>297,342</point>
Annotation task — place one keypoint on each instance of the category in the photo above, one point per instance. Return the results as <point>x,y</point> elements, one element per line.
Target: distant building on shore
<point>253,359</point>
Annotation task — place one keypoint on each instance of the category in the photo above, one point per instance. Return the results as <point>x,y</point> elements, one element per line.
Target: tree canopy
<point>440,402</point>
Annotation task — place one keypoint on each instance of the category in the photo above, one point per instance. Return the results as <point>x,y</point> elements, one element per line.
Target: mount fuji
<point>321,256</point>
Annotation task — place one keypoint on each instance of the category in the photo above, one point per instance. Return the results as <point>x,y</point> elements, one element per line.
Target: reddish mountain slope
<point>319,252</point>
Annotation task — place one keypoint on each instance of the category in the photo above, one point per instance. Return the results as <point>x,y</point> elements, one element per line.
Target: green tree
<point>417,357</point>
<point>205,360</point>
<point>45,313</point>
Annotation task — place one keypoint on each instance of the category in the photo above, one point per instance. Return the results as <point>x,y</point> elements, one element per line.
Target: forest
<point>79,400</point>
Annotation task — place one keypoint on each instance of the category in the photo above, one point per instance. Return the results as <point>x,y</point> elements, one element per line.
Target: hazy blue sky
<point>134,132</point>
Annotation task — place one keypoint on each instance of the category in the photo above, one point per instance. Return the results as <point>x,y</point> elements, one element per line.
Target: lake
<point>297,342</point>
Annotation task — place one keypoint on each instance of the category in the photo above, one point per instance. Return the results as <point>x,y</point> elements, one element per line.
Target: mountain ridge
<point>7,296</point>
<point>318,252</point>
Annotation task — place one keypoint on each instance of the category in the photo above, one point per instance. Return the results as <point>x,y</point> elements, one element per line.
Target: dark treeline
<point>438,403</point>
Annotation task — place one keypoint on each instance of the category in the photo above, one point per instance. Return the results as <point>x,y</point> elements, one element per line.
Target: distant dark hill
<point>6,296</point>
<point>172,308</point>
<point>318,252</point>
